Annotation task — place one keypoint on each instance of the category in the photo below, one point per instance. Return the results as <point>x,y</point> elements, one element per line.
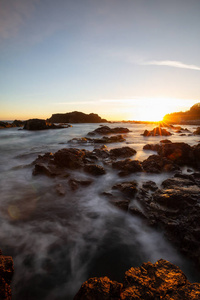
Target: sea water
<point>59,241</point>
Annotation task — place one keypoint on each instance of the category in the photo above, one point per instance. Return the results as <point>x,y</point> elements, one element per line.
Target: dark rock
<point>197,131</point>
<point>161,280</point>
<point>103,140</point>
<point>156,131</point>
<point>39,124</point>
<point>127,166</point>
<point>179,153</point>
<point>101,153</point>
<point>122,152</point>
<point>176,210</point>
<point>165,141</point>
<point>18,123</point>
<point>6,273</point>
<point>5,125</point>
<point>191,116</point>
<point>70,158</point>
<point>152,147</point>
<point>108,130</point>
<point>94,170</point>
<point>158,164</point>
<point>150,185</point>
<point>127,188</point>
<point>76,117</point>
<point>75,184</point>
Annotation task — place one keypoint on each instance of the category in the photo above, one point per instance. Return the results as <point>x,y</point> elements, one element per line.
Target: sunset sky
<point>122,59</point>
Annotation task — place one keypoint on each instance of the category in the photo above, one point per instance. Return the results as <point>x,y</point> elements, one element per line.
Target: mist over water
<point>57,242</point>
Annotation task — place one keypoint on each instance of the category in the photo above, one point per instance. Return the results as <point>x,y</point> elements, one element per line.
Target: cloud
<point>171,63</point>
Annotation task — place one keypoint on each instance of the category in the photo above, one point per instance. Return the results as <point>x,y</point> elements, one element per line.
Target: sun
<point>154,110</point>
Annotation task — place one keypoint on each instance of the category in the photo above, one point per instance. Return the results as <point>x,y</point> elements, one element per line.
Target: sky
<point>122,59</point>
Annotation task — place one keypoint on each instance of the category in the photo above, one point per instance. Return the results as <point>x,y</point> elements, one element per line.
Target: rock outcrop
<point>16,123</point>
<point>76,117</point>
<point>191,116</point>
<point>39,124</point>
<point>104,140</point>
<point>6,273</point>
<point>162,280</point>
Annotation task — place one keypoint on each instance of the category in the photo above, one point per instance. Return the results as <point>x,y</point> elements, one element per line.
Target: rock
<point>99,289</point>
<point>156,131</point>
<point>76,117</point>
<point>39,124</point>
<point>127,188</point>
<point>103,140</point>
<point>152,147</point>
<point>127,166</point>
<point>70,158</point>
<point>5,125</point>
<point>162,280</point>
<point>150,185</point>
<point>75,184</point>
<point>108,130</point>
<point>102,152</point>
<point>6,273</point>
<point>122,152</point>
<point>165,141</point>
<point>18,123</point>
<point>94,170</point>
<point>179,153</point>
<point>175,208</point>
<point>197,131</point>
<point>191,116</point>
<point>158,164</point>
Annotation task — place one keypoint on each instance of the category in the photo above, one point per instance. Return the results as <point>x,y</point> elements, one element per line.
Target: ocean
<point>59,241</point>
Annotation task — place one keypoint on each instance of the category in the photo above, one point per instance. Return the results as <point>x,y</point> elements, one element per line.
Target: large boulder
<point>158,164</point>
<point>127,166</point>
<point>162,280</point>
<point>69,158</point>
<point>122,152</point>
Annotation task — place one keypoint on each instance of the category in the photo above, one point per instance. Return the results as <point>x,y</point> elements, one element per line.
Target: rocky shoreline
<point>161,280</point>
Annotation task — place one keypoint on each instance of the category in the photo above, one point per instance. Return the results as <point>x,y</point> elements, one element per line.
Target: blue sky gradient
<point>110,57</point>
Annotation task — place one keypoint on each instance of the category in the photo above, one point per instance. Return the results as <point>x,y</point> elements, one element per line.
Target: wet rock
<point>39,124</point>
<point>18,123</point>
<point>127,188</point>
<point>5,125</point>
<point>127,166</point>
<point>103,140</point>
<point>165,141</point>
<point>197,131</point>
<point>152,147</point>
<point>108,130</point>
<point>70,158</point>
<point>99,289</point>
<point>150,185</point>
<point>156,131</point>
<point>102,152</point>
<point>196,155</point>
<point>60,189</point>
<point>6,273</point>
<point>122,152</point>
<point>176,209</point>
<point>158,164</point>
<point>162,280</point>
<point>94,170</point>
<point>75,184</point>
<point>179,153</point>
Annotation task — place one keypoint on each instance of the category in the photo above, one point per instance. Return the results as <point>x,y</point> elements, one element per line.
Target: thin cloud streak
<point>172,63</point>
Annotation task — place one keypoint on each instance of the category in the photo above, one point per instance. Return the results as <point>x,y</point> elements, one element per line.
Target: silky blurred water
<point>58,242</point>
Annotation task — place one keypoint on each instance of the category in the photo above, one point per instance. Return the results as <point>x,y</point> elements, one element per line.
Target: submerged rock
<point>162,280</point>
<point>127,188</point>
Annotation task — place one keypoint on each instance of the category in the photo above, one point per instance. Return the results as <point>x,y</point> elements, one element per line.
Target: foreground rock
<point>39,124</point>
<point>108,130</point>
<point>6,273</point>
<point>156,131</point>
<point>161,280</point>
<point>176,208</point>
<point>76,117</point>
<point>197,131</point>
